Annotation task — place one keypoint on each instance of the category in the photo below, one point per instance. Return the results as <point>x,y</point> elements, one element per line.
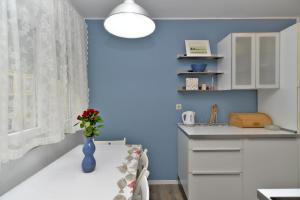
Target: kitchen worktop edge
<point>237,133</point>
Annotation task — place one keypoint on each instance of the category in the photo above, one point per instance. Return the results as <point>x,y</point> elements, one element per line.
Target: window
<point>22,111</point>
<point>43,79</point>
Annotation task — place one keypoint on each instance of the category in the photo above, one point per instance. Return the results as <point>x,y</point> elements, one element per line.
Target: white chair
<point>143,162</point>
<point>112,142</point>
<point>145,189</point>
<point>142,172</point>
<point>142,187</point>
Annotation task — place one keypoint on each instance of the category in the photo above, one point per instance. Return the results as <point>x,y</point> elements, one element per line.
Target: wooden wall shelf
<point>212,57</point>
<point>187,72</point>
<point>198,91</point>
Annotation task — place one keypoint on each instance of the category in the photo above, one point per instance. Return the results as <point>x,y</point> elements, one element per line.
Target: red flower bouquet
<point>91,121</point>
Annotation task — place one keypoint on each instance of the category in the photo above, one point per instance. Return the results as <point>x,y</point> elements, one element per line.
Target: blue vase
<point>89,163</point>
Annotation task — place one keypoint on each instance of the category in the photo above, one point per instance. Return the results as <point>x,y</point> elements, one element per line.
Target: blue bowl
<point>198,67</point>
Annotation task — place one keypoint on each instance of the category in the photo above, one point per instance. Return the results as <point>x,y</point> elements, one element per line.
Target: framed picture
<point>197,48</point>
<point>191,83</point>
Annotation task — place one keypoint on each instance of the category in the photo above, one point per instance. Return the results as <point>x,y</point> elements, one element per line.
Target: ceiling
<point>197,8</point>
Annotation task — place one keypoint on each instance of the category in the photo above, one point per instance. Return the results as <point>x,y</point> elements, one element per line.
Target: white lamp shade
<point>129,20</point>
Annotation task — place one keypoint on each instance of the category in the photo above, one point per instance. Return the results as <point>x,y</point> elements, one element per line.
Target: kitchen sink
<point>285,198</point>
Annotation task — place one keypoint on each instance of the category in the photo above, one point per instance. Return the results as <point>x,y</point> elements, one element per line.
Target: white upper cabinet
<point>283,104</point>
<point>267,60</point>
<point>243,61</point>
<point>251,61</point>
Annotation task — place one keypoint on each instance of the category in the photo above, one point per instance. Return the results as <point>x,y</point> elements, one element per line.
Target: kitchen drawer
<point>215,160</point>
<point>215,144</point>
<point>215,187</point>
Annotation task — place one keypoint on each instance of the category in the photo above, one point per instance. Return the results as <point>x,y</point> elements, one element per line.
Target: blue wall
<point>134,83</point>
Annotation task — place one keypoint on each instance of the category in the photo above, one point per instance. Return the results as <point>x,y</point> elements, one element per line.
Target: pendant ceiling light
<point>129,20</point>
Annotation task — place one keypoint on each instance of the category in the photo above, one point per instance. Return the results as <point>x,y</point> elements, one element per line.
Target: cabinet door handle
<point>212,173</point>
<point>216,149</point>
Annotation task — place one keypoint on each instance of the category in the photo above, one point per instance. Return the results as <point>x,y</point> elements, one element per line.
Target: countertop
<point>268,194</point>
<point>225,131</point>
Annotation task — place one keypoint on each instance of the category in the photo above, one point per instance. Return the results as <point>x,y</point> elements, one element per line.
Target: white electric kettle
<point>188,118</point>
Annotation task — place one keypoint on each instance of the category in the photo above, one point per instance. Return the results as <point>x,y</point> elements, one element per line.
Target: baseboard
<point>163,182</point>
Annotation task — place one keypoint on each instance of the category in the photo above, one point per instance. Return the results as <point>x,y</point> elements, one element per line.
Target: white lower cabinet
<point>269,163</point>
<point>215,187</point>
<point>215,161</point>
<point>182,160</point>
<point>233,169</point>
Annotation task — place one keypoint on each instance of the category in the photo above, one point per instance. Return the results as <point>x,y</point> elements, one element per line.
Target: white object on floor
<point>111,142</point>
<point>267,194</point>
<point>63,179</point>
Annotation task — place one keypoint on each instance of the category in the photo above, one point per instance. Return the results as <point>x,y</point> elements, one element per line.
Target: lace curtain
<point>43,73</point>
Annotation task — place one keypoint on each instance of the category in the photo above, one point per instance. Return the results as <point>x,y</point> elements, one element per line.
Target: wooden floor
<point>165,192</point>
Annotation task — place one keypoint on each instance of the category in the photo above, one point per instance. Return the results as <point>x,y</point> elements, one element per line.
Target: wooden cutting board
<point>249,120</point>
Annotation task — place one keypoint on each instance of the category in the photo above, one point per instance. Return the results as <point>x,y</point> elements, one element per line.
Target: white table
<point>268,194</point>
<point>64,180</point>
